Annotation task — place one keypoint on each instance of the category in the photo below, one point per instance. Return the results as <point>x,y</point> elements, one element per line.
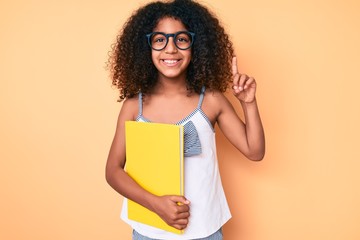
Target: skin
<point>171,62</point>
<point>171,91</point>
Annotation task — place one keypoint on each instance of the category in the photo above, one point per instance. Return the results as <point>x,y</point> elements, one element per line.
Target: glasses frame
<point>173,35</point>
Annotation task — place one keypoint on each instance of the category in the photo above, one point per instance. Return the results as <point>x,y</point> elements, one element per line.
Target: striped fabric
<point>192,145</point>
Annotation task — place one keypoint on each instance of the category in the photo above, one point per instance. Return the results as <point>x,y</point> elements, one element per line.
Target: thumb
<point>180,199</point>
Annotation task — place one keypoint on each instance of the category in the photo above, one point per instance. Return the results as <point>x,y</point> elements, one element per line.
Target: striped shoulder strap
<point>201,96</point>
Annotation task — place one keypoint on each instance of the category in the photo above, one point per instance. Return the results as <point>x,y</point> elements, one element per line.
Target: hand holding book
<point>174,210</point>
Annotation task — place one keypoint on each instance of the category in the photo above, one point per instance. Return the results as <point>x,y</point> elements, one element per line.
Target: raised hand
<point>174,210</point>
<point>244,87</point>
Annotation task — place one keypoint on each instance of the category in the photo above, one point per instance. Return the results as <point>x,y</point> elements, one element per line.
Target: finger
<point>242,80</point>
<point>179,226</point>
<point>184,215</point>
<point>180,199</point>
<point>183,208</point>
<point>184,221</point>
<point>236,75</point>
<point>249,83</point>
<point>236,79</point>
<point>234,66</point>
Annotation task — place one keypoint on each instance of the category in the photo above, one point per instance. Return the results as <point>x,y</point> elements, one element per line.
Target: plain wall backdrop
<point>58,116</point>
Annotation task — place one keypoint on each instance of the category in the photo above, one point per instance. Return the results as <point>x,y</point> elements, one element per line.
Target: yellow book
<point>155,160</point>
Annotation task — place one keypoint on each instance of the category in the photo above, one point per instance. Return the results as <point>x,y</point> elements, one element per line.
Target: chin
<point>173,75</point>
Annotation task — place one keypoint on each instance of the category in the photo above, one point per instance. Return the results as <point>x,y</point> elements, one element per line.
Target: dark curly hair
<point>131,68</point>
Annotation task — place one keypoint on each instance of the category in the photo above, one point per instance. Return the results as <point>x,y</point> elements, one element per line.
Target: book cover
<point>155,160</point>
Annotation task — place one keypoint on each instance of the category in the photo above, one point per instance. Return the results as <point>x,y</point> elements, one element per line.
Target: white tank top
<point>203,188</point>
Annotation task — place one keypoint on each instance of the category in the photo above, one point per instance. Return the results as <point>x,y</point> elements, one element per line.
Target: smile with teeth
<point>170,62</point>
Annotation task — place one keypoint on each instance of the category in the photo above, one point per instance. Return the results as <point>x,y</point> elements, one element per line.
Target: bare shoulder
<point>129,109</point>
<point>215,99</point>
<point>213,104</point>
<point>131,102</point>
<point>215,96</point>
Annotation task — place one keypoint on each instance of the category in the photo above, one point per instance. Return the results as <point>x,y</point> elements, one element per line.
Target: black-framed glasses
<point>158,40</point>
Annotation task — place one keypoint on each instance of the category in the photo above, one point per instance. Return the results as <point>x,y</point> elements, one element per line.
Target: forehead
<point>169,25</point>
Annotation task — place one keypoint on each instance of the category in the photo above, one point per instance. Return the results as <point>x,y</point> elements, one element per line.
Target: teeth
<point>170,61</point>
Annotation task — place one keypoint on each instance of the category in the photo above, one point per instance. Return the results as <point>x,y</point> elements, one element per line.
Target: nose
<point>171,47</point>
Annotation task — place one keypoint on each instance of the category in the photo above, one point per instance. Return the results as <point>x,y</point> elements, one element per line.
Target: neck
<point>170,86</point>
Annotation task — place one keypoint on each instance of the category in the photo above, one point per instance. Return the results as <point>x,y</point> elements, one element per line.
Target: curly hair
<point>131,68</point>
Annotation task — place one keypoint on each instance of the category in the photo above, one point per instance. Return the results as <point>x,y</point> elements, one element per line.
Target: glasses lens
<point>158,41</point>
<point>183,40</point>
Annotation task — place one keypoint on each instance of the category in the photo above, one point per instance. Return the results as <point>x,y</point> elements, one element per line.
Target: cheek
<point>153,56</point>
<point>189,57</point>
<point>155,59</point>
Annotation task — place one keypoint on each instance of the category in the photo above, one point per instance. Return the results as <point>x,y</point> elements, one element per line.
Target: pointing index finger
<point>234,66</point>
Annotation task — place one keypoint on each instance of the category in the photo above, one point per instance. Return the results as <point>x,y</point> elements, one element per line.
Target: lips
<point>170,62</point>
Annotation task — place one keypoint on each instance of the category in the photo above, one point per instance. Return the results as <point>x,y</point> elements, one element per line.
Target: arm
<point>247,137</point>
<point>166,207</point>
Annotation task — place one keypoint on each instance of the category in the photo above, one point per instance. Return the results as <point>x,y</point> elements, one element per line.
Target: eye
<point>158,38</point>
<point>182,40</point>
<point>183,37</point>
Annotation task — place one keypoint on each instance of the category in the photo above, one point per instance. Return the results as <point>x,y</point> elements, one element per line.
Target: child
<point>171,63</point>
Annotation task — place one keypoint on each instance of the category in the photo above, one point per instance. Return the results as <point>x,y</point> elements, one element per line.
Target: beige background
<point>58,115</point>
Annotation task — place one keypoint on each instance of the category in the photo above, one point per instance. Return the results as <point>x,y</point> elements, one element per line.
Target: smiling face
<point>171,62</point>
